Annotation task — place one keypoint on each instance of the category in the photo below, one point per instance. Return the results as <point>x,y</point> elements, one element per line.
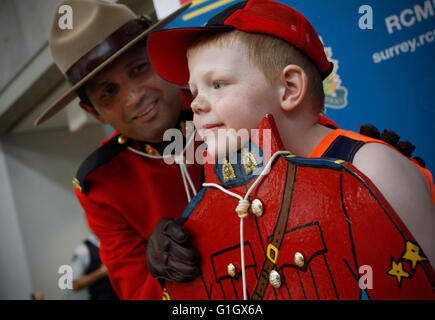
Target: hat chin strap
<point>243,207</point>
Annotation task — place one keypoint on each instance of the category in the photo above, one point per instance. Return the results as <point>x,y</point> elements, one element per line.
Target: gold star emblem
<point>228,171</point>
<point>412,254</point>
<point>397,271</point>
<point>249,161</point>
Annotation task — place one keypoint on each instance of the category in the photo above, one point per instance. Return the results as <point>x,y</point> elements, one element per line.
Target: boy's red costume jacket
<point>324,232</point>
<point>124,195</point>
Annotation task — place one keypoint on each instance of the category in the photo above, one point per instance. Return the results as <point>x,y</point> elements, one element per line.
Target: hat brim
<point>167,51</point>
<point>70,95</point>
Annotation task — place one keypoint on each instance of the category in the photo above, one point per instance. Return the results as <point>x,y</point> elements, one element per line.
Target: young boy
<point>317,222</point>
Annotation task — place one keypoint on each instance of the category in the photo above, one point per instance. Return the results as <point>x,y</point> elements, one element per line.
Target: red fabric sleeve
<point>122,250</point>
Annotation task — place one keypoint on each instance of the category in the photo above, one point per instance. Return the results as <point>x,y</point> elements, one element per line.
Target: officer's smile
<point>147,112</point>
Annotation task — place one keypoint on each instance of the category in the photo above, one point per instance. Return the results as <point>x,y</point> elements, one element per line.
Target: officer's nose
<point>134,94</point>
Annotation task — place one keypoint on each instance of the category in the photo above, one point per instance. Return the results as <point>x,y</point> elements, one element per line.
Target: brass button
<point>76,184</point>
<point>299,259</point>
<point>257,207</point>
<point>122,140</point>
<point>232,271</point>
<point>275,279</point>
<point>151,150</point>
<point>166,295</point>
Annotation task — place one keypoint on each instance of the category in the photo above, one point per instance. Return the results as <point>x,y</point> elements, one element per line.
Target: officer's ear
<point>93,112</point>
<point>294,84</point>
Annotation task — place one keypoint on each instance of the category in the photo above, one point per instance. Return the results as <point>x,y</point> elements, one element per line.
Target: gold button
<point>166,295</point>
<point>257,207</point>
<point>76,184</point>
<point>152,151</point>
<point>122,140</point>
<point>299,259</point>
<point>275,279</point>
<point>232,271</point>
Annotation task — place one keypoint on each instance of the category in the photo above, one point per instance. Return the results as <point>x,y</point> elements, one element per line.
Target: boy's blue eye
<point>218,84</point>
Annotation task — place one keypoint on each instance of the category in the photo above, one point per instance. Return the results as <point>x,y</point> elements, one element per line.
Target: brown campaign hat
<point>101,31</point>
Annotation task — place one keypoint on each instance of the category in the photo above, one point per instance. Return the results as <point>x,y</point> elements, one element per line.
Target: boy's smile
<point>229,93</point>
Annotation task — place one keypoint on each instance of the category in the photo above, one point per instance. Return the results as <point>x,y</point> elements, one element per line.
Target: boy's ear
<point>294,83</point>
<point>93,112</point>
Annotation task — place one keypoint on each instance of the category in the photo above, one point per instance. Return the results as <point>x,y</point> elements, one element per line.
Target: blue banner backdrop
<point>384,75</point>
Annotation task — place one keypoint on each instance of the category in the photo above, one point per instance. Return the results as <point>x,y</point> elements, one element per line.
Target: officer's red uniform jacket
<point>124,195</point>
<point>325,228</point>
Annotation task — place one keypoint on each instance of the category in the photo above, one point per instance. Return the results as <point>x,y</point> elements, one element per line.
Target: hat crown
<point>92,22</point>
<point>284,22</point>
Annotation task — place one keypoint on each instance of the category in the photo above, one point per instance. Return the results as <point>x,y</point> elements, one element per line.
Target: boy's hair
<point>270,55</point>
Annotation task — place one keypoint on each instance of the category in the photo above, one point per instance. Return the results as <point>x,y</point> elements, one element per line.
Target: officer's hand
<point>170,255</point>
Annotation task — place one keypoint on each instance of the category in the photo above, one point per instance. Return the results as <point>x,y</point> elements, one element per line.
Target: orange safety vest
<point>322,149</point>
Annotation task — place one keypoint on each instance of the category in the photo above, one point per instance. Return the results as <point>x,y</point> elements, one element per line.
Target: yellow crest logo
<point>335,93</point>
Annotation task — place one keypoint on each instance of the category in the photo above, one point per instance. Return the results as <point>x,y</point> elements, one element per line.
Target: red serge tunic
<point>124,195</point>
<point>325,232</point>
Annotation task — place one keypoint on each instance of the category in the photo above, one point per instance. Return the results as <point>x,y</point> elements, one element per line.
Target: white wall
<point>15,280</point>
<point>41,166</point>
<point>24,26</point>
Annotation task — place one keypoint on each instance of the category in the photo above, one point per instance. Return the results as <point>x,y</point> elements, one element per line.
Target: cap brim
<point>167,51</point>
<point>71,93</point>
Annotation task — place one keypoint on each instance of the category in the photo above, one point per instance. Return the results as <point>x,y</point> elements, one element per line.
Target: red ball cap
<point>167,48</point>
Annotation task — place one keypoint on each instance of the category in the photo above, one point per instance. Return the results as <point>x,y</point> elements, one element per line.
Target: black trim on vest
<point>343,148</point>
<point>99,157</point>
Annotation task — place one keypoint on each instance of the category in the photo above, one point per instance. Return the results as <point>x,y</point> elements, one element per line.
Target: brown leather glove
<point>170,255</point>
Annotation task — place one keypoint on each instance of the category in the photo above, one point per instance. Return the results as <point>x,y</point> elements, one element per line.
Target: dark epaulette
<point>316,162</point>
<point>100,156</point>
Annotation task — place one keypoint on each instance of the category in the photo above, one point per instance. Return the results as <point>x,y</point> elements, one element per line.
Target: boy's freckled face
<point>230,93</point>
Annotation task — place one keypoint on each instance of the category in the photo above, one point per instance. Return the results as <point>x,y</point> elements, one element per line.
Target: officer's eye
<point>109,90</point>
<point>140,68</point>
